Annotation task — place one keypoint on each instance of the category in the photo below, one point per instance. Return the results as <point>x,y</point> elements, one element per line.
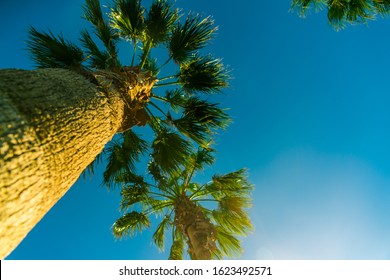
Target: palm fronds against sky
<point>204,219</point>
<point>342,12</point>
<point>179,109</point>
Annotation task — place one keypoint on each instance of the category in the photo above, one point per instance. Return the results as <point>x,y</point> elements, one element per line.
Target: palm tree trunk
<point>53,123</point>
<point>193,223</point>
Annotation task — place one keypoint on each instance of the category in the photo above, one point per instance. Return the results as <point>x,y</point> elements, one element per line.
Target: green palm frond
<point>236,222</point>
<point>177,248</point>
<point>127,17</point>
<point>231,182</point>
<point>176,98</point>
<point>133,194</point>
<point>93,13</point>
<point>341,12</point>
<point>169,150</point>
<point>159,234</point>
<point>49,51</point>
<point>203,74</point>
<point>159,21</point>
<point>200,119</point>
<point>228,244</point>
<point>130,223</point>
<point>122,156</point>
<point>200,159</point>
<point>189,37</point>
<point>98,59</point>
<point>151,65</point>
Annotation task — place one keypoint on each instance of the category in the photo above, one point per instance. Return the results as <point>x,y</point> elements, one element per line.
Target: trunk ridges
<point>53,124</point>
<point>196,227</point>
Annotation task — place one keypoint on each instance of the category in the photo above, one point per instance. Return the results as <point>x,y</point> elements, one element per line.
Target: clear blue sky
<point>311,122</point>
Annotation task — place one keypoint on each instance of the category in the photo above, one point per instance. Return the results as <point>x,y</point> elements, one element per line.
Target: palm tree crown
<point>189,113</point>
<point>341,12</point>
<point>206,218</point>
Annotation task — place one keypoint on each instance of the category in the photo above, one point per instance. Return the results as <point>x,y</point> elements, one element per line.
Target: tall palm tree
<point>206,218</point>
<point>342,12</point>
<point>57,119</point>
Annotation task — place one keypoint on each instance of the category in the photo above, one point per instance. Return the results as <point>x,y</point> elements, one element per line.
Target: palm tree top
<point>343,12</point>
<point>178,105</point>
<point>176,199</point>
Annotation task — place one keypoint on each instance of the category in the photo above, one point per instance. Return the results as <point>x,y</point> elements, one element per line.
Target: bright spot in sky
<point>315,206</point>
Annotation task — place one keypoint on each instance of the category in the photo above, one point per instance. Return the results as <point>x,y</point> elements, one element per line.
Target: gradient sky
<point>311,122</point>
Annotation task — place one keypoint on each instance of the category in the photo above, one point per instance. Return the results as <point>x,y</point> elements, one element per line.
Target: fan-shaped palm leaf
<point>177,248</point>
<point>189,37</point>
<point>130,223</point>
<point>169,150</point>
<point>49,51</point>
<point>159,234</point>
<point>93,13</point>
<point>203,74</point>
<point>127,17</point>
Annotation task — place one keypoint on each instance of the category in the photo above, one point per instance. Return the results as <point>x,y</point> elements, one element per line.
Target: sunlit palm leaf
<point>228,243</point>
<point>127,17</point>
<point>159,21</point>
<point>237,223</point>
<point>49,51</point>
<point>203,74</point>
<point>130,223</point>
<point>159,234</point>
<point>132,195</point>
<point>190,36</point>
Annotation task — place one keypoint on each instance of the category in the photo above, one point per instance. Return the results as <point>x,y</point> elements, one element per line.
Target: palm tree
<point>206,218</point>
<point>341,12</point>
<point>57,119</point>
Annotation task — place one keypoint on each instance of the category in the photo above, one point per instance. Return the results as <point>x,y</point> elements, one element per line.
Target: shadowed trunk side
<point>53,123</point>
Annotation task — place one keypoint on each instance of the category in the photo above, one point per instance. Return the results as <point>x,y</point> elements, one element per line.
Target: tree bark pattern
<point>53,123</point>
<point>196,227</point>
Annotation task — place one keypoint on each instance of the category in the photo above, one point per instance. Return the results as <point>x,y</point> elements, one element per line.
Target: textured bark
<point>53,123</point>
<point>199,231</point>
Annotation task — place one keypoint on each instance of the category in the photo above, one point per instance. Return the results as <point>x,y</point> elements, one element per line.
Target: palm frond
<point>133,194</point>
<point>130,223</point>
<point>127,17</point>
<point>176,98</point>
<point>200,159</point>
<point>159,234</point>
<point>203,74</point>
<point>236,222</point>
<point>151,65</point>
<point>159,21</point>
<point>98,59</point>
<point>122,156</point>
<point>228,244</point>
<point>49,51</point>
<point>169,150</point>
<point>93,13</point>
<point>189,37</point>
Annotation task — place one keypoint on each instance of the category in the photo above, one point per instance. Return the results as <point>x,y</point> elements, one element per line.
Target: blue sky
<point>311,122</point>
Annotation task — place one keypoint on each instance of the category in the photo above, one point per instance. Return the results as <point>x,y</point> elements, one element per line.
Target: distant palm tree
<point>56,120</point>
<point>206,218</point>
<point>341,12</point>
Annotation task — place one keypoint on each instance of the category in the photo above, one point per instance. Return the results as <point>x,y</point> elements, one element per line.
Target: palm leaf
<point>130,223</point>
<point>189,37</point>
<point>93,13</point>
<point>159,21</point>
<point>159,234</point>
<point>203,74</point>
<point>133,194</point>
<point>169,150</point>
<point>49,51</point>
<point>122,156</point>
<point>228,244</point>
<point>98,59</point>
<point>127,17</point>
